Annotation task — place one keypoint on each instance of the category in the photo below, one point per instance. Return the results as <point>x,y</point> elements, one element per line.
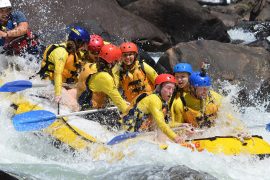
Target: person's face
<point>4,12</point>
<point>201,92</point>
<point>167,91</point>
<point>128,58</point>
<point>182,79</point>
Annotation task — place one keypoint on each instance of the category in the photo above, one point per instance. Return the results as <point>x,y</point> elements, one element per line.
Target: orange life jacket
<point>70,71</point>
<point>135,82</point>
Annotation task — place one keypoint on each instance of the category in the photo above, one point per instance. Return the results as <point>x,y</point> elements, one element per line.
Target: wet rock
<point>234,13</point>
<point>50,18</point>
<point>123,3</point>
<point>183,20</point>
<point>6,176</point>
<point>235,63</point>
<point>256,10</point>
<point>179,172</point>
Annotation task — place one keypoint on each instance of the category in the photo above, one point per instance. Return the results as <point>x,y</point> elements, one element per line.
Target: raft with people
<point>149,103</point>
<point>68,132</point>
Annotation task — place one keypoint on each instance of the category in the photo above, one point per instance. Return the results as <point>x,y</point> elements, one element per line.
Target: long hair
<point>71,47</point>
<point>102,65</point>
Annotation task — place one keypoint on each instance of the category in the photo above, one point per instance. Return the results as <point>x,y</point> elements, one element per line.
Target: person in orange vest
<point>96,83</point>
<point>150,110</point>
<point>135,76</point>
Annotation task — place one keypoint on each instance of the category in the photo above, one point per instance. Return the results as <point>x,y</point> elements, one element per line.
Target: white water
<point>34,155</point>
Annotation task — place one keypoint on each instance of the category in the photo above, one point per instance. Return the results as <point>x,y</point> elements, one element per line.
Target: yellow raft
<point>65,133</point>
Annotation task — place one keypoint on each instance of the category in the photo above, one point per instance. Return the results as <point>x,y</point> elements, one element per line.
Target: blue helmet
<point>79,33</point>
<point>196,79</point>
<point>182,67</point>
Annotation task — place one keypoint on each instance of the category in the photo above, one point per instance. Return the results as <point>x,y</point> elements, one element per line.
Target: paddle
<point>39,119</point>
<point>15,86</point>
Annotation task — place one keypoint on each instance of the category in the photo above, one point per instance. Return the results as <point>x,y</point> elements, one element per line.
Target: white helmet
<point>5,3</point>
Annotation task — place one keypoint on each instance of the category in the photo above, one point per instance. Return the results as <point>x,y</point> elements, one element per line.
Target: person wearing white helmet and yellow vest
<point>150,111</point>
<point>96,83</point>
<point>136,77</point>
<point>61,62</point>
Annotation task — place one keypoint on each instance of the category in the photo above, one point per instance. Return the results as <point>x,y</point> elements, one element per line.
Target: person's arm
<point>22,25</point>
<point>151,74</point>
<point>104,83</point>
<point>176,113</point>
<point>58,57</point>
<point>155,109</point>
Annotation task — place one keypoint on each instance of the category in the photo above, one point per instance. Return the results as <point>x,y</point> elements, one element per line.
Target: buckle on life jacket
<point>132,83</point>
<point>138,89</point>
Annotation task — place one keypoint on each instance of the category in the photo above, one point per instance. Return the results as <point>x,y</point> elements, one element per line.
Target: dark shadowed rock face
<point>181,20</point>
<point>49,18</point>
<point>123,3</point>
<point>236,63</point>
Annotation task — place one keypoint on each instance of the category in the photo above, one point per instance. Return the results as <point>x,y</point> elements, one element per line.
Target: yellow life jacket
<point>201,118</point>
<point>134,81</point>
<point>70,71</point>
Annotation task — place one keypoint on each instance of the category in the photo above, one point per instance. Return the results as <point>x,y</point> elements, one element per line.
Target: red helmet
<point>110,53</point>
<point>164,78</point>
<point>96,43</point>
<point>129,47</point>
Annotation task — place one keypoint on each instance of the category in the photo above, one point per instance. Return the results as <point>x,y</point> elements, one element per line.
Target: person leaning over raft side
<point>61,62</point>
<point>182,71</point>
<point>151,110</point>
<point>99,81</point>
<point>14,31</point>
<point>136,77</point>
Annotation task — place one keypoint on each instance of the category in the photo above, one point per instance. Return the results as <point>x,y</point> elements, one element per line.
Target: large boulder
<point>183,20</point>
<point>49,18</point>
<point>235,63</point>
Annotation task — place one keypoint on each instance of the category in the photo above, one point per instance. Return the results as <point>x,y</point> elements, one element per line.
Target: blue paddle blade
<point>16,86</point>
<point>268,127</point>
<point>122,137</point>
<point>33,120</point>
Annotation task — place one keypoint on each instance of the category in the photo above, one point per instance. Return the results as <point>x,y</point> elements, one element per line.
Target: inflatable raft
<point>74,137</point>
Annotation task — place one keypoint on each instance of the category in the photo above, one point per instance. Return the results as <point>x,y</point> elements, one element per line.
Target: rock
<point>49,18</point>
<point>235,63</point>
<point>183,20</point>
<point>123,3</point>
<point>265,13</point>
<point>179,172</point>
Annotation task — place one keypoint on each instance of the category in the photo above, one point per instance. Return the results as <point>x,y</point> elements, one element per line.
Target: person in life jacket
<point>150,111</point>
<point>200,104</point>
<point>135,76</point>
<point>61,62</point>
<point>94,46</point>
<point>96,83</point>
<point>14,32</point>
<point>182,71</point>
